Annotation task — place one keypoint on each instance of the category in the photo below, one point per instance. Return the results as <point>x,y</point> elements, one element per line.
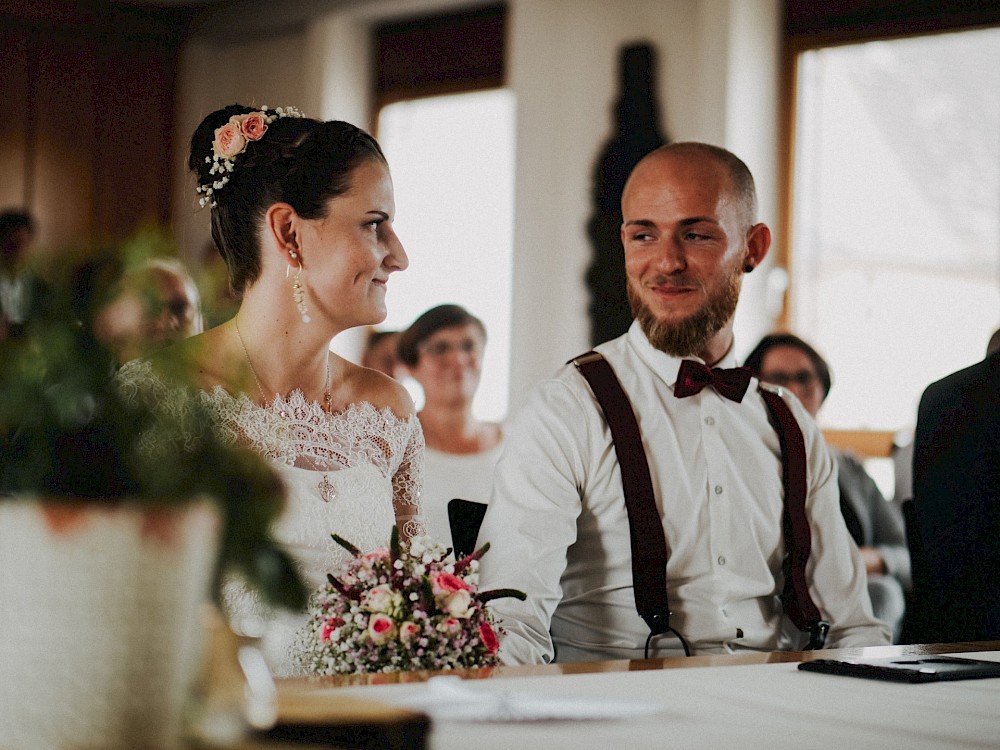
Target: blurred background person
<point>381,353</point>
<point>443,351</point>
<point>876,525</point>
<point>22,292</point>
<point>152,305</point>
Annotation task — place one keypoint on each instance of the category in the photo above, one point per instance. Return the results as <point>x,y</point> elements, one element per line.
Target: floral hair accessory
<point>409,607</point>
<point>231,140</point>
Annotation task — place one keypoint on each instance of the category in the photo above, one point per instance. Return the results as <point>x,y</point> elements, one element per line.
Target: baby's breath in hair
<point>231,140</point>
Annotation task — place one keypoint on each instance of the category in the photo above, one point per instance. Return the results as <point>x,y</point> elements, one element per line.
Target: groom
<point>557,522</point>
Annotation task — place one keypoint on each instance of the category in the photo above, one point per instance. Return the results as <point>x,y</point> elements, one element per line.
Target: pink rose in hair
<point>253,126</point>
<point>381,628</point>
<point>229,141</point>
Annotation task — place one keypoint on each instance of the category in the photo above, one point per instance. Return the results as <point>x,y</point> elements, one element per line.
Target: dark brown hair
<point>755,358</point>
<point>429,323</point>
<point>299,161</point>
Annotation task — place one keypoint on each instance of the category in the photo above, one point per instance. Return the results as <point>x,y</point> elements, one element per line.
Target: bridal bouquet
<point>409,607</point>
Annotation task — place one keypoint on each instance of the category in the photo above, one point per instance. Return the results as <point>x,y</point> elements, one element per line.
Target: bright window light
<point>452,164</point>
<point>896,217</point>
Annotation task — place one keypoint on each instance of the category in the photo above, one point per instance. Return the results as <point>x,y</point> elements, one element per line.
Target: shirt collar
<point>663,364</point>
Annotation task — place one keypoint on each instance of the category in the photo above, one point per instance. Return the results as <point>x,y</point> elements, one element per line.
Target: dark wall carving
<point>637,132</point>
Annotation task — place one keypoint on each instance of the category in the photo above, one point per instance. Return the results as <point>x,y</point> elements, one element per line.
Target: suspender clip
<point>658,622</point>
<point>817,635</point>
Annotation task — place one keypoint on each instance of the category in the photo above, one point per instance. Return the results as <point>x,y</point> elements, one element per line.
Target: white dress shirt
<point>559,530</point>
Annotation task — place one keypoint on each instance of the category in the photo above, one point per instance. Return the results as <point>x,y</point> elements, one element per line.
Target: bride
<point>302,213</point>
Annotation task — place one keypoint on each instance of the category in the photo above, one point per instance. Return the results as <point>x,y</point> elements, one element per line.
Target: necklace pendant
<point>326,490</point>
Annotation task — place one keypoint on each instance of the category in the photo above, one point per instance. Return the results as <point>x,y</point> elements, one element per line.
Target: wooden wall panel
<point>14,123</point>
<point>134,131</point>
<point>65,136</point>
<point>88,91</point>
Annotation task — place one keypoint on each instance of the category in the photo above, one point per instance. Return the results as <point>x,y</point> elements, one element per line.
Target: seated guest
<point>875,524</point>
<point>702,559</point>
<point>956,502</point>
<point>381,353</point>
<point>22,291</point>
<point>152,305</point>
<point>443,351</point>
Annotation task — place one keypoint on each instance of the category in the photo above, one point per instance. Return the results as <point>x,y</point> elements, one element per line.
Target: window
<point>452,161</point>
<point>895,229</point>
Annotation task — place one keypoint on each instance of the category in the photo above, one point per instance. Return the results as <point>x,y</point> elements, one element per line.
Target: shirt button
<point>718,489</point>
<point>709,421</point>
<point>722,560</point>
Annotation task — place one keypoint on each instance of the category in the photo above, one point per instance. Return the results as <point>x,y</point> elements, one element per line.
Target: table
<point>744,700</point>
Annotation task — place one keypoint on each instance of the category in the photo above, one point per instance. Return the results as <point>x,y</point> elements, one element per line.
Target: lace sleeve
<point>408,483</point>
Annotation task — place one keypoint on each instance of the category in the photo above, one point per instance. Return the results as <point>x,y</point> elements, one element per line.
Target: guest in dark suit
<point>956,489</point>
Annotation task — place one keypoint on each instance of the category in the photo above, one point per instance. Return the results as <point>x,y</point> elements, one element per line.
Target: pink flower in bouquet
<point>489,637</point>
<point>229,141</point>
<point>408,631</point>
<point>458,604</point>
<point>375,556</point>
<point>450,625</point>
<point>253,126</point>
<point>381,628</point>
<point>380,599</point>
<point>444,583</point>
<point>329,627</point>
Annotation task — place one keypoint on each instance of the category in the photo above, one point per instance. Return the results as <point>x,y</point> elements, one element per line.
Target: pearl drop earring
<point>298,295</point>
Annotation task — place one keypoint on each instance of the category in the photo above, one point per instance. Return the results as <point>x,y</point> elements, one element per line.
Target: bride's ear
<point>282,227</point>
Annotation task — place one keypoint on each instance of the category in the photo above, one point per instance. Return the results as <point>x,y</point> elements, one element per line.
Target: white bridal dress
<point>352,473</point>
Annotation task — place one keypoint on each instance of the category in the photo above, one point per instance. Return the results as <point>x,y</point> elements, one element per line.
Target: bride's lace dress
<point>353,473</point>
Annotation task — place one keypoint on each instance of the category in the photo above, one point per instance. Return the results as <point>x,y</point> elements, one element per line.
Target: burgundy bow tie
<point>693,376</point>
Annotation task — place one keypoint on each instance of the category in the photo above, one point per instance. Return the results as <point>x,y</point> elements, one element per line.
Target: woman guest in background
<point>876,525</point>
<point>302,212</point>
<point>443,351</point>
<point>381,353</point>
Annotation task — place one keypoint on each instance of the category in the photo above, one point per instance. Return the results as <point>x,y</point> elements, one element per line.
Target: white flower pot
<point>99,624</point>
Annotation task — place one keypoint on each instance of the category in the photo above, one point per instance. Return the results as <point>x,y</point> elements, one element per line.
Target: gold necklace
<point>327,395</point>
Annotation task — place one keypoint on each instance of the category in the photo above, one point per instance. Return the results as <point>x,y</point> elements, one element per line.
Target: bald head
<point>737,179</point>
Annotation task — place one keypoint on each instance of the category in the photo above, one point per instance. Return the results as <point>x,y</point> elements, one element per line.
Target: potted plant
<point>118,516</point>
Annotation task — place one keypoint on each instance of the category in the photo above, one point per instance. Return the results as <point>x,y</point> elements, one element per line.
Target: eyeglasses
<point>444,348</point>
<point>802,378</point>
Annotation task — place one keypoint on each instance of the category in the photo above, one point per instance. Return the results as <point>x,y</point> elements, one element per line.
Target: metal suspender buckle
<point>818,632</point>
<point>658,622</point>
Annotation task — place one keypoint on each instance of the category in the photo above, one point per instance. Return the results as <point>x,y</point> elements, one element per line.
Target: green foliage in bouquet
<point>68,433</point>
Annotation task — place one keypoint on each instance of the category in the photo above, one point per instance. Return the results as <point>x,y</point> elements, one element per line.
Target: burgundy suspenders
<point>649,546</point>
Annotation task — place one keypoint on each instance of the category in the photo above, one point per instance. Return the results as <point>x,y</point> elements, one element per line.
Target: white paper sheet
<point>454,699</point>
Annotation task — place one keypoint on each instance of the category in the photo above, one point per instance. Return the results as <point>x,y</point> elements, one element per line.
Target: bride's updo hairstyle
<point>297,160</point>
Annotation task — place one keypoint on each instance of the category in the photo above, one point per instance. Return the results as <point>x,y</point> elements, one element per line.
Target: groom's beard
<point>691,335</point>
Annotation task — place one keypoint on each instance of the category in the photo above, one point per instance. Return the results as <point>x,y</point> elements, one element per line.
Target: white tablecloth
<point>771,706</point>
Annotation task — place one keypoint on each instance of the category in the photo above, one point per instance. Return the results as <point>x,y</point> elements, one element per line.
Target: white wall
<point>717,82</point>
